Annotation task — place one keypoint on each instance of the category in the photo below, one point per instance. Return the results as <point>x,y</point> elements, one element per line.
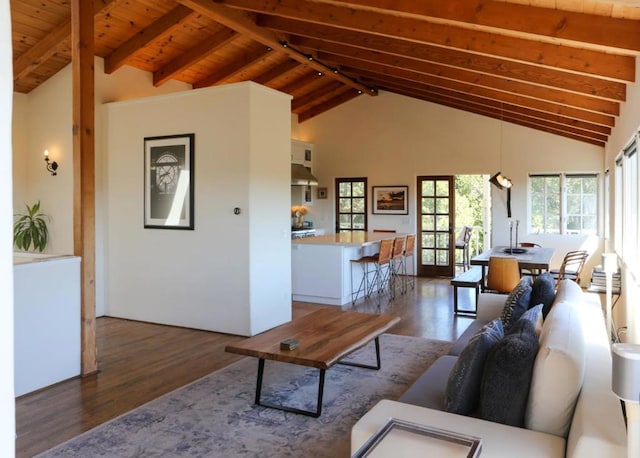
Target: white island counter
<point>321,267</point>
<point>46,320</point>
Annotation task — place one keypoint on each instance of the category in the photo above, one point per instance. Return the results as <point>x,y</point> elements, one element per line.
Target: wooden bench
<point>471,278</point>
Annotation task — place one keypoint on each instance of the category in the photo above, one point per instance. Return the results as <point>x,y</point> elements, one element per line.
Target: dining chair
<point>571,266</point>
<point>462,243</point>
<point>503,274</point>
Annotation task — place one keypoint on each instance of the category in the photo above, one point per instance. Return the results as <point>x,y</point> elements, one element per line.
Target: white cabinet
<point>302,153</point>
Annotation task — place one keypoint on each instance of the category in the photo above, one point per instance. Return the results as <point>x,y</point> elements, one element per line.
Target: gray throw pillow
<point>517,302</point>
<point>507,376</point>
<point>463,386</point>
<point>534,314</point>
<point>543,291</point>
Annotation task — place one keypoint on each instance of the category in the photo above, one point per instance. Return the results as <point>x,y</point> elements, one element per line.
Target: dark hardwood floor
<point>141,361</point>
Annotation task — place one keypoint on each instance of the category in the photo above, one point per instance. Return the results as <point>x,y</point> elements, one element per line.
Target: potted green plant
<point>31,229</point>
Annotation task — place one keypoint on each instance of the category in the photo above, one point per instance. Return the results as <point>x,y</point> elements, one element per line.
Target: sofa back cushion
<point>463,385</point>
<point>507,374</point>
<point>558,371</point>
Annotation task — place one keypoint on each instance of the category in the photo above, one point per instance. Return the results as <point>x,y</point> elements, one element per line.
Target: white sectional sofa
<point>595,422</point>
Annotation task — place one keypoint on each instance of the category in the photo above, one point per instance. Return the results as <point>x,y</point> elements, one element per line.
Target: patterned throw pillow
<point>543,291</point>
<point>534,314</point>
<point>507,376</point>
<point>463,386</point>
<point>517,302</point>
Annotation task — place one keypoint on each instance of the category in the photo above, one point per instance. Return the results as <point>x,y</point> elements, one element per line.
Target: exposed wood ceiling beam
<point>300,83</point>
<point>568,26</point>
<point>478,79</point>
<point>392,82</point>
<point>232,69</point>
<point>159,28</point>
<point>198,52</point>
<point>315,97</point>
<point>368,69</point>
<point>545,54</point>
<point>358,43</point>
<point>240,22</point>
<point>328,105</point>
<point>278,71</point>
<point>463,103</point>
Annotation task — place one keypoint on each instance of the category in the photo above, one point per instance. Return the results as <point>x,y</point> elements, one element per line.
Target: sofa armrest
<point>498,440</point>
<point>490,305</point>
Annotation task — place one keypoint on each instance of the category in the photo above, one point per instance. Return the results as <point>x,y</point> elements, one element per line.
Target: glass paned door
<point>351,204</point>
<point>436,243</point>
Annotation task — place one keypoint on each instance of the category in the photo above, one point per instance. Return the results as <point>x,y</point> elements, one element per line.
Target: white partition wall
<point>232,273</point>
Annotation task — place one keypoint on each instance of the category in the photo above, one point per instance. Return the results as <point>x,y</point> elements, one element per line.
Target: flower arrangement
<point>298,210</point>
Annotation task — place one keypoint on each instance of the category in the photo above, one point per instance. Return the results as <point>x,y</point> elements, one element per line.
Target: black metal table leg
<point>310,413</point>
<point>366,366</point>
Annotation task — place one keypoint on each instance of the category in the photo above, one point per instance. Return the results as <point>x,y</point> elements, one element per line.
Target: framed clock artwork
<point>168,182</point>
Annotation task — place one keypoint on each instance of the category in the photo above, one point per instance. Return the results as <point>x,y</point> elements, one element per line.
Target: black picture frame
<point>168,182</point>
<point>390,200</point>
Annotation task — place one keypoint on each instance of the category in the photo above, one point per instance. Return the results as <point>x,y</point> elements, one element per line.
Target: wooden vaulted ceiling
<point>559,66</point>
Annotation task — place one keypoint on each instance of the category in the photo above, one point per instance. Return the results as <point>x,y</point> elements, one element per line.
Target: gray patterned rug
<point>215,415</point>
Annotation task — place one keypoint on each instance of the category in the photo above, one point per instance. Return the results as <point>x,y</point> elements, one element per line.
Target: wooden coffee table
<point>324,338</point>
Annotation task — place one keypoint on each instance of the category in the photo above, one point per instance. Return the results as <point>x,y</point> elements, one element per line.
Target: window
<point>629,206</point>
<point>351,204</point>
<point>545,204</point>
<point>563,203</point>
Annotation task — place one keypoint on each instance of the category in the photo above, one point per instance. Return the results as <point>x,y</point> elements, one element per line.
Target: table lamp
<point>625,382</point>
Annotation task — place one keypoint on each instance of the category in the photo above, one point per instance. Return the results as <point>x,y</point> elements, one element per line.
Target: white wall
<point>392,139</point>
<point>232,273</point>
<point>7,400</point>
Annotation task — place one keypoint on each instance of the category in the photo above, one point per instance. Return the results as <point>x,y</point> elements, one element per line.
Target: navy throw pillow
<point>517,302</point>
<point>463,386</point>
<point>543,291</point>
<point>507,375</point>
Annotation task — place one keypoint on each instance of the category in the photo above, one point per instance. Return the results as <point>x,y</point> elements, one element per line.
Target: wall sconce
<point>52,166</point>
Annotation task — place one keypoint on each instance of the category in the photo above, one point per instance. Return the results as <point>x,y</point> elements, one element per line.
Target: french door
<point>436,223</point>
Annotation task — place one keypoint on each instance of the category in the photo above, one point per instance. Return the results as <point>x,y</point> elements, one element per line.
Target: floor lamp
<point>625,382</point>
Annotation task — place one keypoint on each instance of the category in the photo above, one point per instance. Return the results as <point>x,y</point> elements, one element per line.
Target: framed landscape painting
<point>390,200</point>
<point>168,182</point>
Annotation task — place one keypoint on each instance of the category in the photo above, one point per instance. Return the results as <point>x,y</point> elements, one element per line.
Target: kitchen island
<point>321,267</point>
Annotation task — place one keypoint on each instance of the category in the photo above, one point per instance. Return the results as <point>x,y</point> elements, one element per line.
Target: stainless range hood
<point>300,176</point>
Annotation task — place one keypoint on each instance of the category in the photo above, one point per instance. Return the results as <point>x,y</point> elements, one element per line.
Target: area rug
<point>215,416</point>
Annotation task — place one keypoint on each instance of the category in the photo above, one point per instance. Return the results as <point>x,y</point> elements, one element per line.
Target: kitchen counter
<point>354,239</point>
<point>321,266</point>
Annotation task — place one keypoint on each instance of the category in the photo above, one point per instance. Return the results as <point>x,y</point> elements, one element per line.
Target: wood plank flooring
<point>141,361</point>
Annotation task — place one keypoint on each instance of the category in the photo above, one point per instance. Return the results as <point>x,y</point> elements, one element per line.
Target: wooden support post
<point>82,48</point>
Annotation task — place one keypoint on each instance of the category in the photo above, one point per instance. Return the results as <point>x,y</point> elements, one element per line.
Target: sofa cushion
<point>543,291</point>
<point>429,389</point>
<point>558,371</point>
<point>463,386</point>
<point>534,314</point>
<point>517,302</point>
<point>475,326</point>
<point>507,375</point>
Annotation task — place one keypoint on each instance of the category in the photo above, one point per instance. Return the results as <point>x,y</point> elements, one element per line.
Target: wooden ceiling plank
<point>193,55</point>
<point>505,107</point>
<point>577,27</point>
<point>240,22</point>
<point>43,50</point>
<point>486,82</point>
<point>520,49</point>
<point>478,79</point>
<point>161,27</point>
<point>230,70</point>
<point>583,84</point>
<point>328,105</point>
<point>276,72</point>
<point>299,102</point>
<point>514,99</point>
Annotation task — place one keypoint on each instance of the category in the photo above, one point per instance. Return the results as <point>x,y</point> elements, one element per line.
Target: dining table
<point>528,258</point>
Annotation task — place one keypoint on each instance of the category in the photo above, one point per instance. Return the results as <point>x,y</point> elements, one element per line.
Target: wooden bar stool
<point>397,264</point>
<point>407,255</point>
